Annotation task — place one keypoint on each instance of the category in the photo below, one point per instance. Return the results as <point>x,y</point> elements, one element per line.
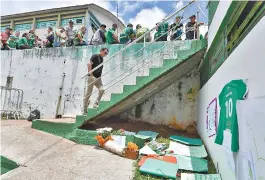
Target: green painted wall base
<point>7,165</point>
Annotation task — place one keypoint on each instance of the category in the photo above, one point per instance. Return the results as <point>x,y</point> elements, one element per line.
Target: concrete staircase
<point>145,86</point>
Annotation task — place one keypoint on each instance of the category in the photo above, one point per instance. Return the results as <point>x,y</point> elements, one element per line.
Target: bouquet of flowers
<point>103,135</point>
<point>131,152</point>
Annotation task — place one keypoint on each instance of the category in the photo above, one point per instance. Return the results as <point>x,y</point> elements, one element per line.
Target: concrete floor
<point>43,156</point>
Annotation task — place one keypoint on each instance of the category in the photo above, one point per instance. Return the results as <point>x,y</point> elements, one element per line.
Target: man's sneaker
<point>95,105</point>
<point>84,112</point>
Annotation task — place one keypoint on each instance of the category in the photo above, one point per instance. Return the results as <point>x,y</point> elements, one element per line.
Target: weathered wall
<point>39,73</point>
<point>246,62</point>
<point>174,106</point>
<point>217,20</point>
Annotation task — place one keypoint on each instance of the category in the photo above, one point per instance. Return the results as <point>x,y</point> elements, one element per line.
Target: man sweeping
<point>94,78</point>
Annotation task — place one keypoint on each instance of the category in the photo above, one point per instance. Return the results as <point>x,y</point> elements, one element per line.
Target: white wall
<point>39,73</point>
<point>180,96</point>
<point>105,18</point>
<point>217,19</point>
<point>246,62</point>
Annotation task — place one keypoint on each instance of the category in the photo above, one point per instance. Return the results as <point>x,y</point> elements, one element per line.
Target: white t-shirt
<point>71,32</point>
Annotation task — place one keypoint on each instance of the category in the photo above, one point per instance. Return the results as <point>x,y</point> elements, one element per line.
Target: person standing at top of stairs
<point>94,78</point>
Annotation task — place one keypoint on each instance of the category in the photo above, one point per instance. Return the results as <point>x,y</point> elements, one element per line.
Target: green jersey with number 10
<point>233,91</point>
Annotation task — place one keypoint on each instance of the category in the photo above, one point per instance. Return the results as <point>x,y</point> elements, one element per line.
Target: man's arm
<point>66,32</point>
<point>89,67</point>
<point>80,38</point>
<point>102,36</point>
<point>115,37</point>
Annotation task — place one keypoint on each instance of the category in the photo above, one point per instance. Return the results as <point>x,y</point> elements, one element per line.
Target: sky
<point>144,12</point>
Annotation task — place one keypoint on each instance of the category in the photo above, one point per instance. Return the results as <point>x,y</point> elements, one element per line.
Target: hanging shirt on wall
<point>233,91</point>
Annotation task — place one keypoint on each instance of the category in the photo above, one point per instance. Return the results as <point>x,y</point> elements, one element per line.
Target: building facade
<point>236,42</point>
<point>89,15</point>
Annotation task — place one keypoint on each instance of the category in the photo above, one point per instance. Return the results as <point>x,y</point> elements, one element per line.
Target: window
<point>240,19</point>
<point>23,27</point>
<point>45,24</point>
<point>3,28</point>
<point>76,20</point>
<point>247,12</point>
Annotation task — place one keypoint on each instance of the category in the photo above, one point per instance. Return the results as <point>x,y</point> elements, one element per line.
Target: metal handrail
<point>139,38</point>
<point>191,29</point>
<point>130,69</point>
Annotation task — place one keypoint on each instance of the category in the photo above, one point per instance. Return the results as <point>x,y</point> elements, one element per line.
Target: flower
<point>101,140</point>
<point>132,147</point>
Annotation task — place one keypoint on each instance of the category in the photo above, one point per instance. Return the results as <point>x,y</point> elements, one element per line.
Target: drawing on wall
<point>251,160</point>
<point>211,119</point>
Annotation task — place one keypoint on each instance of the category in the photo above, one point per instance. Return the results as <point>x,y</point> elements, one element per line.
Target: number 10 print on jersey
<point>233,91</point>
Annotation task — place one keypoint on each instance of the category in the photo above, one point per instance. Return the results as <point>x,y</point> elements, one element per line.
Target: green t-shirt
<point>12,44</point>
<point>233,91</point>
<point>126,35</point>
<point>31,42</point>
<point>156,36</point>
<point>22,41</point>
<point>109,36</point>
<point>77,40</point>
<point>163,29</point>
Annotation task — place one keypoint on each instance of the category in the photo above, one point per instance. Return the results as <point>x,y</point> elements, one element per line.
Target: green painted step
<point>129,88</point>
<point>142,80</point>
<point>169,63</point>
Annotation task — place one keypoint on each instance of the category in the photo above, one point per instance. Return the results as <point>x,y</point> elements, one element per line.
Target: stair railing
<point>139,38</point>
<point>139,66</point>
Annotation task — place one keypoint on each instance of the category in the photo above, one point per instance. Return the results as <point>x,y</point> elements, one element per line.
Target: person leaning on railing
<point>127,35</point>
<point>79,37</point>
<point>161,32</point>
<point>111,37</point>
<point>49,38</point>
<point>140,31</point>
<point>70,33</point>
<point>176,29</point>
<point>99,36</point>
<point>23,41</point>
<point>4,38</point>
<point>11,43</point>
<point>191,28</point>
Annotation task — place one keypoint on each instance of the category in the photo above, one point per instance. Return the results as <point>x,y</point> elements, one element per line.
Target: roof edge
<point>32,13</point>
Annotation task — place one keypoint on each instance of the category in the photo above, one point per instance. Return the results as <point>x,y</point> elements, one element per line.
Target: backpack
<point>34,115</point>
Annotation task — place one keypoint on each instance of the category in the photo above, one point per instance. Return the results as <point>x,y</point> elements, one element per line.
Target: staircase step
<point>116,98</point>
<point>91,112</point>
<point>129,88</point>
<point>169,63</point>
<point>80,119</point>
<point>183,54</point>
<point>155,72</point>
<point>142,80</point>
<point>104,104</point>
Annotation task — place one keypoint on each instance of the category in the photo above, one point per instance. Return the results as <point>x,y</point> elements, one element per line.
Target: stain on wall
<point>174,106</point>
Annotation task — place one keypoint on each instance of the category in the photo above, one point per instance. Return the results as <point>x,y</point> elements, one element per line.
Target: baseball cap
<point>71,21</point>
<point>193,16</point>
<point>103,25</point>
<point>129,25</point>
